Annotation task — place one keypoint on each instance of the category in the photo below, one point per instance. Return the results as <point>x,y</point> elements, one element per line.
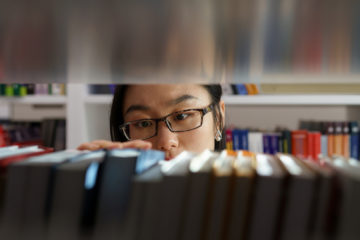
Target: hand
<point>100,144</point>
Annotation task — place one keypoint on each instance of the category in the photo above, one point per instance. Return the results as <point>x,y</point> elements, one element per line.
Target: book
<point>322,224</point>
<point>338,139</point>
<point>324,139</point>
<point>71,217</point>
<point>229,139</point>
<point>240,196</point>
<point>255,142</point>
<point>174,190</point>
<point>345,145</point>
<point>266,198</point>
<point>152,184</point>
<point>219,197</point>
<point>198,191</point>
<point>354,139</point>
<point>298,199</point>
<point>330,132</point>
<point>28,192</point>
<point>347,208</point>
<point>115,177</point>
<point>299,143</point>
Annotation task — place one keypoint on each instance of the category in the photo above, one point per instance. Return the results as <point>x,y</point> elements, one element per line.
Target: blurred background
<point>171,41</point>
<point>281,62</point>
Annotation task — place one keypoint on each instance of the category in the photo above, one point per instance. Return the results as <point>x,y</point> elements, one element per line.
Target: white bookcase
<point>88,115</point>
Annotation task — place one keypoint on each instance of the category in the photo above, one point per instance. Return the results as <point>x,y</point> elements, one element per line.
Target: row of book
<point>20,90</point>
<point>314,36</point>
<point>315,139</point>
<point>134,194</point>
<point>49,132</point>
<point>240,89</point>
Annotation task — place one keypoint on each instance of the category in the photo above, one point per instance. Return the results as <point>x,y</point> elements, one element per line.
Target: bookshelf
<point>88,114</point>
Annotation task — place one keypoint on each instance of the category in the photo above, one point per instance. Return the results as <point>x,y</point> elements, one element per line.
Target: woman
<point>170,118</point>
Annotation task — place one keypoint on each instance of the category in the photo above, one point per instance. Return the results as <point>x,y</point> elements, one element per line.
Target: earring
<point>218,136</point>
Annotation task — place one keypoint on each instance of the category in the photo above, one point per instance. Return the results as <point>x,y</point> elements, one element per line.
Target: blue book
<point>354,140</point>
<point>244,139</point>
<point>236,137</point>
<point>266,142</point>
<point>274,143</point>
<point>241,89</point>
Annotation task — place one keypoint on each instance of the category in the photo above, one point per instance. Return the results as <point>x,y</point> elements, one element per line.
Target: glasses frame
<point>203,112</point>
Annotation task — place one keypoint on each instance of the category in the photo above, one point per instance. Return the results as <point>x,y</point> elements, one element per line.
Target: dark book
<point>39,173</point>
<point>117,170</point>
<point>354,139</point>
<point>321,223</point>
<point>348,211</point>
<point>240,197</point>
<point>173,196</point>
<point>298,199</point>
<point>152,186</point>
<point>286,137</point>
<point>198,193</point>
<point>267,198</point>
<point>219,197</point>
<point>74,196</point>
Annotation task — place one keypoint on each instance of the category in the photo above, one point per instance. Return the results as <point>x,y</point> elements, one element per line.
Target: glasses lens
<point>141,129</point>
<point>184,121</point>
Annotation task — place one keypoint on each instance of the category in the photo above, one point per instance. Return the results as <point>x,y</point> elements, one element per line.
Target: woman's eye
<point>144,124</point>
<point>181,116</point>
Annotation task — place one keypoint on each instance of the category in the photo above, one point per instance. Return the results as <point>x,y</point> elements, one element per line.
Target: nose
<point>166,140</point>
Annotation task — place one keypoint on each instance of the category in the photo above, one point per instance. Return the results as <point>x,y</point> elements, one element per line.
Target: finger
<point>89,146</point>
<point>103,143</point>
<point>132,144</point>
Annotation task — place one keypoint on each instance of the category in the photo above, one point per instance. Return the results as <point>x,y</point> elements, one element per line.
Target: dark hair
<point>117,118</point>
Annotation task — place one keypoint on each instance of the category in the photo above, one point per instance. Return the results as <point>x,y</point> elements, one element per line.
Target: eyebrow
<point>133,108</point>
<point>178,100</point>
<point>181,99</point>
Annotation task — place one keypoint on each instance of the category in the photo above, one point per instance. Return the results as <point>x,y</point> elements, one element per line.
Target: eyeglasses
<point>181,121</point>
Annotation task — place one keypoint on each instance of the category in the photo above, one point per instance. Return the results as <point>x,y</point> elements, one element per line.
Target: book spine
<point>229,143</point>
<point>346,139</point>
<point>266,143</point>
<point>354,140</point>
<point>330,138</point>
<point>244,139</point>
<point>299,143</point>
<point>236,139</point>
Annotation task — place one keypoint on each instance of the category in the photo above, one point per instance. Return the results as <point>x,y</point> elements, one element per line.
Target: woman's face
<point>156,101</point>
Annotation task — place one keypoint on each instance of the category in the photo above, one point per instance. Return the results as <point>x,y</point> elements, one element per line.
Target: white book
<point>256,142</point>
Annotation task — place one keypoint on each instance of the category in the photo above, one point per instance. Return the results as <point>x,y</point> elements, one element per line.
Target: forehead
<point>161,95</point>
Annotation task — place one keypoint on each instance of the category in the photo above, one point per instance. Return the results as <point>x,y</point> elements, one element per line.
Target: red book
<point>229,142</point>
<point>4,162</point>
<point>315,146</point>
<point>299,143</point>
<point>310,144</point>
<point>2,137</point>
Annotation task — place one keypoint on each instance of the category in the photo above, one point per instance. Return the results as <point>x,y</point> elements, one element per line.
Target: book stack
<point>49,133</point>
<point>313,140</point>
<point>240,89</point>
<point>19,90</point>
<point>134,194</point>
